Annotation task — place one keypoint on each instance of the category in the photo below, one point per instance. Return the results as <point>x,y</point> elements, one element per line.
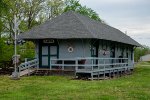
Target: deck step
<point>27,72</point>
<point>101,78</point>
<point>44,72</point>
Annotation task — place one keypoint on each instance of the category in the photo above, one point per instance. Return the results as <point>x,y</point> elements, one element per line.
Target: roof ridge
<point>83,23</point>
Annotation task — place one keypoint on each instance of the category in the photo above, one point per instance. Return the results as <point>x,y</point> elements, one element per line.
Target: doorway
<point>94,51</point>
<point>46,53</point>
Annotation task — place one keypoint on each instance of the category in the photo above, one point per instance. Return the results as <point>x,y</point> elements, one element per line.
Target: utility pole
<point>15,74</point>
<point>15,42</point>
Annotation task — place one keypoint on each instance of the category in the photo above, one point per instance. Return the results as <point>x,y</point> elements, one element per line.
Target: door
<point>45,57</point>
<point>94,48</point>
<point>112,54</point>
<point>48,52</point>
<point>94,52</point>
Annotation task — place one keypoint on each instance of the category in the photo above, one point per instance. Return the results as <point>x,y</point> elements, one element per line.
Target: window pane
<point>53,50</point>
<point>44,50</point>
<point>44,61</point>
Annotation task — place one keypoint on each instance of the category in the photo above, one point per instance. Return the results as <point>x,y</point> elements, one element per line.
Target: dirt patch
<point>6,71</point>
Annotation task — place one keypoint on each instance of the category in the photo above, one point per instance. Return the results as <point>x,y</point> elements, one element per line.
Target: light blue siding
<point>82,48</point>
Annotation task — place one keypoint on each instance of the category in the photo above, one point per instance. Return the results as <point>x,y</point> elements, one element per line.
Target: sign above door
<point>49,41</point>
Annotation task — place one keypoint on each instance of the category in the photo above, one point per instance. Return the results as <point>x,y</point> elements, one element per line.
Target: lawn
<point>129,87</point>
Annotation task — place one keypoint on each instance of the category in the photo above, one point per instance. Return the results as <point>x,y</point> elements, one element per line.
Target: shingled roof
<point>72,25</point>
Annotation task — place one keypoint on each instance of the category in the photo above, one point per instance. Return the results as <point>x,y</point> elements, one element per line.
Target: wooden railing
<point>90,63</point>
<point>28,64</point>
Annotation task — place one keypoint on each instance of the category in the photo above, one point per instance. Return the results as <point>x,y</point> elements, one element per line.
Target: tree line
<point>141,51</point>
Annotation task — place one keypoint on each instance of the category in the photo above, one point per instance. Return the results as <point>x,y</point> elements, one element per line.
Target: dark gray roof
<point>71,25</point>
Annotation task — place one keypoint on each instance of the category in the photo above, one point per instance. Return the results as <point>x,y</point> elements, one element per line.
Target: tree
<point>8,18</point>
<point>7,23</point>
<point>27,15</point>
<point>32,9</point>
<point>27,50</point>
<point>3,10</point>
<point>74,5</point>
<point>138,52</point>
<point>54,8</point>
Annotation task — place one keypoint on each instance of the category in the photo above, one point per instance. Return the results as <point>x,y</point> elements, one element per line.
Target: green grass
<point>130,87</point>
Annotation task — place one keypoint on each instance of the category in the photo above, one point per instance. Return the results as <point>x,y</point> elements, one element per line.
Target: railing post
<point>104,64</point>
<point>76,64</point>
<point>104,68</point>
<point>122,65</point>
<point>98,64</point>
<point>37,64</point>
<point>26,60</point>
<point>133,59</point>
<point>62,64</point>
<point>121,61</point>
<point>92,63</point>
<point>128,63</point>
<point>50,67</point>
<point>19,70</point>
<point>115,63</point>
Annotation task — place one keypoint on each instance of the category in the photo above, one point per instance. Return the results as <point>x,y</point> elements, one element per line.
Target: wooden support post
<point>133,59</point>
<point>112,74</point>
<point>37,62</point>
<point>109,73</point>
<point>117,72</point>
<point>104,69</point>
<point>26,60</point>
<point>125,70</point>
<point>121,72</point>
<point>92,64</point>
<point>62,67</point>
<point>19,70</point>
<point>62,64</point>
<point>76,66</point>
<point>98,64</point>
<point>98,75</point>
<point>50,67</point>
<point>91,75</point>
<point>104,74</point>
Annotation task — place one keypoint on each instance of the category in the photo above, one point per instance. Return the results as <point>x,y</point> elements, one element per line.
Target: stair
<point>42,72</point>
<point>27,72</point>
<point>47,72</point>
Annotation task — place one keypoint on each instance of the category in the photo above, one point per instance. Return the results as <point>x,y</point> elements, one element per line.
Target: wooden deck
<point>96,67</point>
<point>92,67</point>
<point>102,73</point>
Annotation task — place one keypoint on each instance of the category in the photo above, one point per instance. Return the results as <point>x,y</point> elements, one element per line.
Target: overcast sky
<point>132,16</point>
